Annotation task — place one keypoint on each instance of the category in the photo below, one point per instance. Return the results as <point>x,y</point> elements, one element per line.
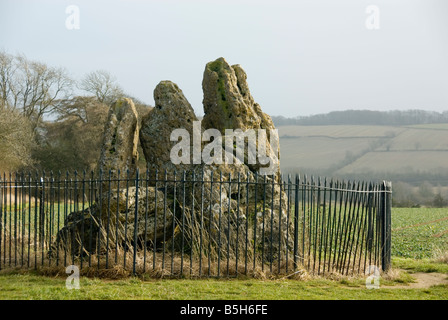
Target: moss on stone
<point>218,66</point>
<point>118,105</point>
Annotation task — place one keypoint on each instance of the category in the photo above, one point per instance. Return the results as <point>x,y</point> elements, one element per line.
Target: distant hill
<point>410,146</point>
<point>366,117</point>
<point>409,153</point>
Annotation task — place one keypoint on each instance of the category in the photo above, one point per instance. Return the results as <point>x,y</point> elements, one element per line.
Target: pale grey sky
<point>302,57</point>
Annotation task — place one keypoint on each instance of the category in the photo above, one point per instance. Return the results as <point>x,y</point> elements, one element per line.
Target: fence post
<point>135,221</point>
<point>386,205</point>
<point>296,222</point>
<point>42,216</point>
<point>1,217</point>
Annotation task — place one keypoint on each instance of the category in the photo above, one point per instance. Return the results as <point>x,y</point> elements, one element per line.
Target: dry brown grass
<point>119,263</point>
<point>440,256</point>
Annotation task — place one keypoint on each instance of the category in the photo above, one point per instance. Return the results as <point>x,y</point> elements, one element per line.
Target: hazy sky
<point>302,57</point>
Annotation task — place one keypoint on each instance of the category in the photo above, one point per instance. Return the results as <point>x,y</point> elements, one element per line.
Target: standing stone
<point>203,201</point>
<point>227,101</point>
<point>120,141</point>
<point>118,214</point>
<point>228,104</point>
<point>172,111</point>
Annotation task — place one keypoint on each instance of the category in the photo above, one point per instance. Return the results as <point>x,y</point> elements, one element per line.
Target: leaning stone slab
<point>120,142</point>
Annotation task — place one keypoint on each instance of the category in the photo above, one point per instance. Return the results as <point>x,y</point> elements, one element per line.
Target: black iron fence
<point>194,223</point>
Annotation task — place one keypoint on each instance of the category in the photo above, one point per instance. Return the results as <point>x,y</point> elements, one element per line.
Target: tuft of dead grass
<point>440,256</point>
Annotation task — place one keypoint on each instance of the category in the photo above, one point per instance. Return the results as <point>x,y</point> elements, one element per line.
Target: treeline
<point>44,125</point>
<point>366,117</point>
<point>424,195</point>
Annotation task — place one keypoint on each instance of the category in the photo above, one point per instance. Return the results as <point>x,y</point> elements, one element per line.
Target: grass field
<point>340,131</point>
<point>319,152</point>
<point>352,149</point>
<point>418,246</point>
<point>412,139</point>
<point>38,287</point>
<point>398,162</point>
<point>433,126</point>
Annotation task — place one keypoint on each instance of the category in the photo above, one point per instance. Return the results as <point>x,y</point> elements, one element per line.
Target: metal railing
<point>192,223</point>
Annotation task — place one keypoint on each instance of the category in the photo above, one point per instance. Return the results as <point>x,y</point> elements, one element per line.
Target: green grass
<point>31,286</point>
<point>412,250</point>
<point>419,265</point>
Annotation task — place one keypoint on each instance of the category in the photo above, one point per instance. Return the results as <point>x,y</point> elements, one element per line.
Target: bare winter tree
<point>30,92</point>
<point>102,85</point>
<point>40,88</point>
<point>16,140</point>
<point>7,86</point>
<point>31,87</point>
<point>73,141</point>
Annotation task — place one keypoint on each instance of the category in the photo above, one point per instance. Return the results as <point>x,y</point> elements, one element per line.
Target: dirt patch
<point>423,280</point>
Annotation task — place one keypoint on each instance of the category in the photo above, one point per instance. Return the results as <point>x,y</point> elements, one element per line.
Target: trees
<point>29,90</point>
<point>366,117</point>
<point>32,87</point>
<point>102,85</point>
<point>73,141</point>
<point>40,89</point>
<point>16,140</point>
<point>439,201</point>
<point>43,125</point>
<point>7,87</point>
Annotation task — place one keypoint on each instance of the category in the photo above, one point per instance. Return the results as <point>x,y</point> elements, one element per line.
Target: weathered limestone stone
<point>118,216</point>
<point>172,111</point>
<point>228,104</point>
<point>212,198</point>
<point>227,101</point>
<point>78,236</point>
<point>120,141</point>
<point>115,216</point>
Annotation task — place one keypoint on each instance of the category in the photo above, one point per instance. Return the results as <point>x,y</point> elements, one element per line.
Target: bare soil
<point>423,281</point>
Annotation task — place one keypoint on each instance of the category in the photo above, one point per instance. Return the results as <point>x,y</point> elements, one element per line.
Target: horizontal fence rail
<point>194,223</point>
